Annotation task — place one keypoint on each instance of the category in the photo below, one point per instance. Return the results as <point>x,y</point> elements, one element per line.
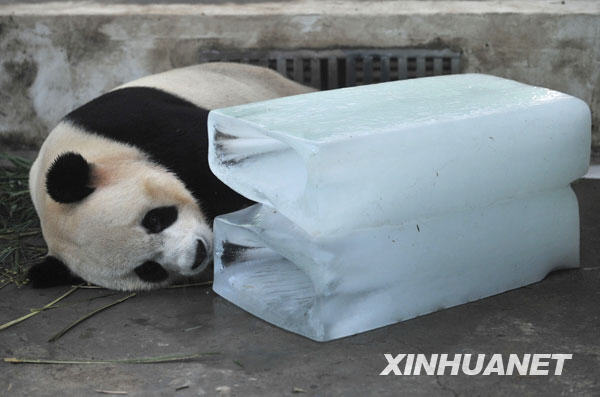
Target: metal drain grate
<point>326,69</point>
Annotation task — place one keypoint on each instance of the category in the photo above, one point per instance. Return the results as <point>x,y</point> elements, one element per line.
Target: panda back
<point>165,117</point>
<point>219,84</point>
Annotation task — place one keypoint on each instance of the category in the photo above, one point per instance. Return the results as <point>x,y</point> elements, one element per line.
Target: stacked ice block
<point>385,202</point>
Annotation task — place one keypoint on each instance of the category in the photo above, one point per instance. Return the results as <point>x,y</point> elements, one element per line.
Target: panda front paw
<point>51,273</point>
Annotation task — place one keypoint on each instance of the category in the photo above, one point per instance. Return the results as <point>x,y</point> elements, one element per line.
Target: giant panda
<point>122,185</point>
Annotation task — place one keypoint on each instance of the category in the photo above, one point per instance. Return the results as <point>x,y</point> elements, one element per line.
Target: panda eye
<point>158,219</point>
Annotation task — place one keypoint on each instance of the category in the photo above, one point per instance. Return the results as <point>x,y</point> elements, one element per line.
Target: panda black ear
<point>69,178</point>
<point>51,273</point>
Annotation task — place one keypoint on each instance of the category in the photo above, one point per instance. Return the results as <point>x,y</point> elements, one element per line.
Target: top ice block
<point>401,150</point>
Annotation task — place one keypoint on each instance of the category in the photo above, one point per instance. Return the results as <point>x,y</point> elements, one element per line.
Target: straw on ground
<point>31,314</point>
<point>82,319</point>
<point>142,360</point>
<point>21,241</point>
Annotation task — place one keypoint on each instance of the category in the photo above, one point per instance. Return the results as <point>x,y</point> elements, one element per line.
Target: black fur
<point>51,273</point>
<point>69,178</point>
<point>200,254</point>
<point>171,130</point>
<point>152,272</point>
<point>158,219</point>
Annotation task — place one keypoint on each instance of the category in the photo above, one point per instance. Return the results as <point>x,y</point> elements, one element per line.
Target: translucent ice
<point>382,153</point>
<point>381,203</point>
<point>328,287</point>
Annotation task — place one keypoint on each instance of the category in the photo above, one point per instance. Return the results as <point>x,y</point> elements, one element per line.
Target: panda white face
<point>152,231</point>
<point>137,226</point>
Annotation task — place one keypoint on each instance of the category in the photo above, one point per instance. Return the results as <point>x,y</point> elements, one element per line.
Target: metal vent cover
<point>327,69</point>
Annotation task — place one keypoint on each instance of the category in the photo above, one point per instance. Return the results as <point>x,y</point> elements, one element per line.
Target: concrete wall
<point>56,56</point>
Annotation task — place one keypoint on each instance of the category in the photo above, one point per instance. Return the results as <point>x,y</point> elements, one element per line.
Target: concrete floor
<point>558,315</point>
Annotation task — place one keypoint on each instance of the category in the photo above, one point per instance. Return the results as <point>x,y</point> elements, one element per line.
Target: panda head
<point>121,222</point>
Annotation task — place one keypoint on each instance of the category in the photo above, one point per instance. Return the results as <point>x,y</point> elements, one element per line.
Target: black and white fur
<point>122,184</point>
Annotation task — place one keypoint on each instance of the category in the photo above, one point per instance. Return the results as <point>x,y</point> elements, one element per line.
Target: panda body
<point>122,185</point>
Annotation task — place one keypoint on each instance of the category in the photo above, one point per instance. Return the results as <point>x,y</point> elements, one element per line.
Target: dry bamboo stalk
<point>25,317</point>
<point>82,319</point>
<point>143,360</point>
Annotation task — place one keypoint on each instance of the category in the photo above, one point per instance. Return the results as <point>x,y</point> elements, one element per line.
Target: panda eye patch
<point>158,219</point>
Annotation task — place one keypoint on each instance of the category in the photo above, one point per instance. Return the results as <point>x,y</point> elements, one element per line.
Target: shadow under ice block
<point>381,203</point>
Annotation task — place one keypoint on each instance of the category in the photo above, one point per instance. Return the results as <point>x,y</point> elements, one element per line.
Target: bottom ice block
<point>328,287</point>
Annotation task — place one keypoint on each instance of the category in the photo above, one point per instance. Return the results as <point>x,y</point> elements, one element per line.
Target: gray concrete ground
<point>558,315</point>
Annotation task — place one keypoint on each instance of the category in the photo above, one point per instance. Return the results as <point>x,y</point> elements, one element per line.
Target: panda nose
<point>200,254</point>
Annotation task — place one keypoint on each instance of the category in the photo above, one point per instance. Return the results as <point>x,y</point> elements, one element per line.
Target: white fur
<point>217,85</point>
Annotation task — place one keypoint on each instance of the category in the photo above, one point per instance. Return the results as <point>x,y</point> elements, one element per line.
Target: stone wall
<point>56,56</point>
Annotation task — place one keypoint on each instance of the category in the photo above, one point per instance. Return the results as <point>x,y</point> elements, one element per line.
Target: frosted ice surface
<point>384,202</point>
<point>329,287</point>
<point>397,150</point>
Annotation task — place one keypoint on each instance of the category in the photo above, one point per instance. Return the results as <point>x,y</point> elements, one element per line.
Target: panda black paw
<point>51,273</point>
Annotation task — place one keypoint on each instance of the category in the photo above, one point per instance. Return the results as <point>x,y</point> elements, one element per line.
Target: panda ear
<point>51,273</point>
<point>69,178</point>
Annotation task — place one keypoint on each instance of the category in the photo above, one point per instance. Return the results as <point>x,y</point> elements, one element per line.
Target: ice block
<point>328,287</point>
<point>385,202</point>
<point>382,153</point>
